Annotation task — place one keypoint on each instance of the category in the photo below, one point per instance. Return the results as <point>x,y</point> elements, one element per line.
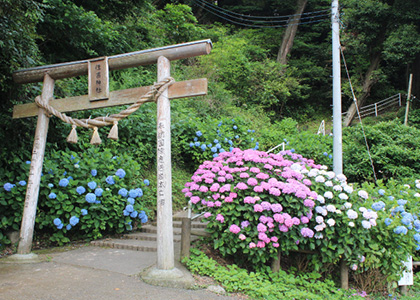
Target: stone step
<point>129,244</point>
<point>177,230</point>
<point>178,224</point>
<point>153,229</point>
<point>147,236</point>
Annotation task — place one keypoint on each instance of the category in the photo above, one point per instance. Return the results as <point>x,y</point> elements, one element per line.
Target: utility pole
<point>407,107</point>
<point>337,122</point>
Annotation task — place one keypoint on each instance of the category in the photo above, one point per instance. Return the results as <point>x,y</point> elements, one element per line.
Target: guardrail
<point>379,107</point>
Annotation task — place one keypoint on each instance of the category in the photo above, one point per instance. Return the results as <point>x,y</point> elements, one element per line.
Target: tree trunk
<point>369,81</point>
<point>416,77</point>
<point>290,33</point>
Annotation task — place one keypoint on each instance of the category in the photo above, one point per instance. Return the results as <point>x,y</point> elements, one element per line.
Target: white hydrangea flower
<point>296,167</point>
<point>330,174</point>
<point>348,205</point>
<point>416,195</point>
<point>341,177</point>
<point>352,214</point>
<point>304,171</point>
<point>320,227</point>
<point>331,208</point>
<point>324,168</point>
<point>313,172</point>
<point>367,214</point>
<point>329,183</point>
<point>418,185</point>
<point>338,188</point>
<point>351,224</point>
<point>338,212</point>
<point>319,219</point>
<point>328,195</point>
<point>343,196</point>
<point>366,224</point>
<point>331,222</point>
<point>320,199</point>
<point>348,189</point>
<point>319,178</point>
<point>319,209</point>
<point>372,222</point>
<point>363,194</point>
<point>373,215</point>
<point>407,186</point>
<point>362,209</point>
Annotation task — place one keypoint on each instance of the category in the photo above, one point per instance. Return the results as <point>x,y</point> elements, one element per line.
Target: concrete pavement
<point>90,273</point>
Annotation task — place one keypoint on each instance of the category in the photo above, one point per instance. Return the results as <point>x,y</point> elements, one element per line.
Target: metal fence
<point>380,106</point>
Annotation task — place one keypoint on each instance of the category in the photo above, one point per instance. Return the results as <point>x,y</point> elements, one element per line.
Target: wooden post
<point>275,264</point>
<point>185,237</point>
<point>165,241</point>
<point>32,190</point>
<point>344,274</point>
<point>407,107</point>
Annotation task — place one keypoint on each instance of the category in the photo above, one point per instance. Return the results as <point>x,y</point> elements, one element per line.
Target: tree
<point>379,38</point>
<point>290,33</point>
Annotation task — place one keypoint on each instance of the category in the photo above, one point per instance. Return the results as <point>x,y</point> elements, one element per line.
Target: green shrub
<point>394,149</point>
<point>280,285</point>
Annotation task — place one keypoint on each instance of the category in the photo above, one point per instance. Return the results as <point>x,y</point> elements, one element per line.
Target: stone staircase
<point>145,238</point>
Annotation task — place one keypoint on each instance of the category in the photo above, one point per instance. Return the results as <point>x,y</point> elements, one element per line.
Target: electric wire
<point>215,7</point>
<point>215,10</point>
<point>266,22</point>
<point>358,114</point>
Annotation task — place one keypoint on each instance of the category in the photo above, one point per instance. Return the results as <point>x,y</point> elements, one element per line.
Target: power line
<point>242,16</point>
<point>268,24</point>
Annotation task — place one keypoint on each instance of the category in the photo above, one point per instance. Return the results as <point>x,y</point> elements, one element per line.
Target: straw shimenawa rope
<point>150,96</point>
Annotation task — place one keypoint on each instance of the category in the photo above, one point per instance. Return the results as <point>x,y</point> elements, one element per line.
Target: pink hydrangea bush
<point>258,204</point>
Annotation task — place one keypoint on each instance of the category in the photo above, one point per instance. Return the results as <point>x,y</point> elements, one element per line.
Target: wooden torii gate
<point>99,97</point>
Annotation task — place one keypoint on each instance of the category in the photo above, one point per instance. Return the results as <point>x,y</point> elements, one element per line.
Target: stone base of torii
<point>165,271</point>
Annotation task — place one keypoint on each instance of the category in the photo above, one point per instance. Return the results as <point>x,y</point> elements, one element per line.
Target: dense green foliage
<point>258,285</point>
<point>280,285</point>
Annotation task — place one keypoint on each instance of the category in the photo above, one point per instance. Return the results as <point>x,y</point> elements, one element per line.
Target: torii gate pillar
<point>165,241</point>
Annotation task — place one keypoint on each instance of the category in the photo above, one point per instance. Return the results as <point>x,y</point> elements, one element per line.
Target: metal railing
<point>380,106</point>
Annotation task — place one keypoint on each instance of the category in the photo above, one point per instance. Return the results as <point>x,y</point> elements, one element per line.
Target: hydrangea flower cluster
<point>332,207</point>
<point>271,201</point>
<point>400,220</point>
<point>92,194</point>
<point>225,137</point>
<point>131,198</point>
<point>79,193</point>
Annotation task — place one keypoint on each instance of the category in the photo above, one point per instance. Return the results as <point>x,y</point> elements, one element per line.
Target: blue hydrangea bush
<point>258,204</point>
<point>397,234</point>
<point>83,196</point>
<point>217,136</point>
